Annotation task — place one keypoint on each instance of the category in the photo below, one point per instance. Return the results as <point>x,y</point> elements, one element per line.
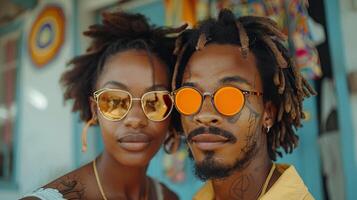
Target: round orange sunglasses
<point>227,100</point>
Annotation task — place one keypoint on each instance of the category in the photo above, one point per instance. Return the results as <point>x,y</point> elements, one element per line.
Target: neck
<point>246,183</point>
<point>117,178</point>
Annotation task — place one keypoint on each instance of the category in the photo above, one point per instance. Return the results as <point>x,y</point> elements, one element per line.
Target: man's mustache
<point>212,130</point>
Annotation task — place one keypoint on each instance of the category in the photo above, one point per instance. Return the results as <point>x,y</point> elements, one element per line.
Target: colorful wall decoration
<point>293,19</point>
<point>47,35</point>
<point>189,11</point>
<point>290,15</point>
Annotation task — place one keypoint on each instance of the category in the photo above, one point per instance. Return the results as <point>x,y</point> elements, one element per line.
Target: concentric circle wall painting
<point>46,35</point>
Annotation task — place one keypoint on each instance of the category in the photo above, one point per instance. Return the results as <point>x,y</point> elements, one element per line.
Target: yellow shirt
<point>289,186</point>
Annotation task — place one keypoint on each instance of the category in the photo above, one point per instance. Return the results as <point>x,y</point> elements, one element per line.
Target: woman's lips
<point>134,141</point>
<point>209,142</point>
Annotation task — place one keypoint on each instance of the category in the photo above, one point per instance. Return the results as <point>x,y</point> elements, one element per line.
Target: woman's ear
<point>269,115</point>
<point>93,107</point>
<point>92,121</point>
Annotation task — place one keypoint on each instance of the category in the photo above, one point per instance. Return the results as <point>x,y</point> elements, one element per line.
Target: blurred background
<point>40,136</point>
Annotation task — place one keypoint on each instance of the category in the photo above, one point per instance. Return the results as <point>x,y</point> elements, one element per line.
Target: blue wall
<point>338,56</point>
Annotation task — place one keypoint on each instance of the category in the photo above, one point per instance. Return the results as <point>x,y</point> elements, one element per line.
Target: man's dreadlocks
<point>282,82</point>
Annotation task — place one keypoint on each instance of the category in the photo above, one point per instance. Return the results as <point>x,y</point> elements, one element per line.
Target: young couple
<point>228,85</point>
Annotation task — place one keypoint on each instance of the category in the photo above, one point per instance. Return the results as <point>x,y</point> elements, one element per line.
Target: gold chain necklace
<point>98,181</point>
<point>101,187</point>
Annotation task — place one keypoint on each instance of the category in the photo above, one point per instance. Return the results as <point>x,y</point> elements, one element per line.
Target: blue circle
<point>45,29</point>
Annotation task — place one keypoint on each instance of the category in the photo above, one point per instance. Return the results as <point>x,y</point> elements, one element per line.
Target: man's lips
<point>207,137</point>
<point>209,142</point>
<point>134,141</point>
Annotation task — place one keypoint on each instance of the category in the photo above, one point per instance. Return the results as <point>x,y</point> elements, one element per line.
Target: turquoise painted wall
<point>12,183</point>
<point>345,120</point>
<point>306,158</point>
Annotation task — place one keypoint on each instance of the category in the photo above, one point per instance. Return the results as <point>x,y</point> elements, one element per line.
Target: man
<point>240,99</point>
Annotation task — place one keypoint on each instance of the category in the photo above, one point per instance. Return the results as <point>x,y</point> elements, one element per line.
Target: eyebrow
<point>117,84</point>
<point>123,86</point>
<point>157,87</point>
<point>237,79</point>
<point>191,84</point>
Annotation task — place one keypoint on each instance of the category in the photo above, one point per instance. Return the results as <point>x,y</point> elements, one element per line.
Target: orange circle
<point>188,101</point>
<point>49,23</point>
<point>229,100</point>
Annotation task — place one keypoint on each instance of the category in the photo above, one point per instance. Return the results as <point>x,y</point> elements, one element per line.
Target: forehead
<point>134,68</point>
<point>216,62</point>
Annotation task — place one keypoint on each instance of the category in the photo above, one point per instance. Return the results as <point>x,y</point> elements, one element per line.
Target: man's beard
<point>209,168</point>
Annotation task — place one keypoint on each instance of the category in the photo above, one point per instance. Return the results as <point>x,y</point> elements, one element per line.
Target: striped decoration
<point>46,35</point>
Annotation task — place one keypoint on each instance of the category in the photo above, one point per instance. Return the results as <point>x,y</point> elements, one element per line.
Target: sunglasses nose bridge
<point>135,117</point>
<point>136,99</point>
<point>206,94</point>
<point>207,105</point>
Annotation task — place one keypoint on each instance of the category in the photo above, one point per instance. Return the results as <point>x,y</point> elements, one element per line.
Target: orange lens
<point>114,104</point>
<point>157,105</point>
<point>229,100</point>
<point>188,101</point>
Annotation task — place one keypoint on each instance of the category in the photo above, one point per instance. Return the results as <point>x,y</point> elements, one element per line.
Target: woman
<point>121,84</point>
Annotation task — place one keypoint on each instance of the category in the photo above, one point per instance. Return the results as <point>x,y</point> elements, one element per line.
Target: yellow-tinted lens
<point>157,105</point>
<point>229,100</point>
<point>188,101</point>
<point>114,104</point>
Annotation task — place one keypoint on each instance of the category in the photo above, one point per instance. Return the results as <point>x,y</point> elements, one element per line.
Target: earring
<point>268,129</point>
<point>89,123</point>
<point>172,142</point>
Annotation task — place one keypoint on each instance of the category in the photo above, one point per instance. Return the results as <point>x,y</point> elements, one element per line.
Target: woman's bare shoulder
<point>77,184</point>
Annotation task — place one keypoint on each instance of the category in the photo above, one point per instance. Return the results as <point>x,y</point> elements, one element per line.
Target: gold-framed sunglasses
<point>227,100</point>
<point>114,104</point>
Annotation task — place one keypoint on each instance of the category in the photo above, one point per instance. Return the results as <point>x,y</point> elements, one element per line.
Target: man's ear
<point>269,115</point>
